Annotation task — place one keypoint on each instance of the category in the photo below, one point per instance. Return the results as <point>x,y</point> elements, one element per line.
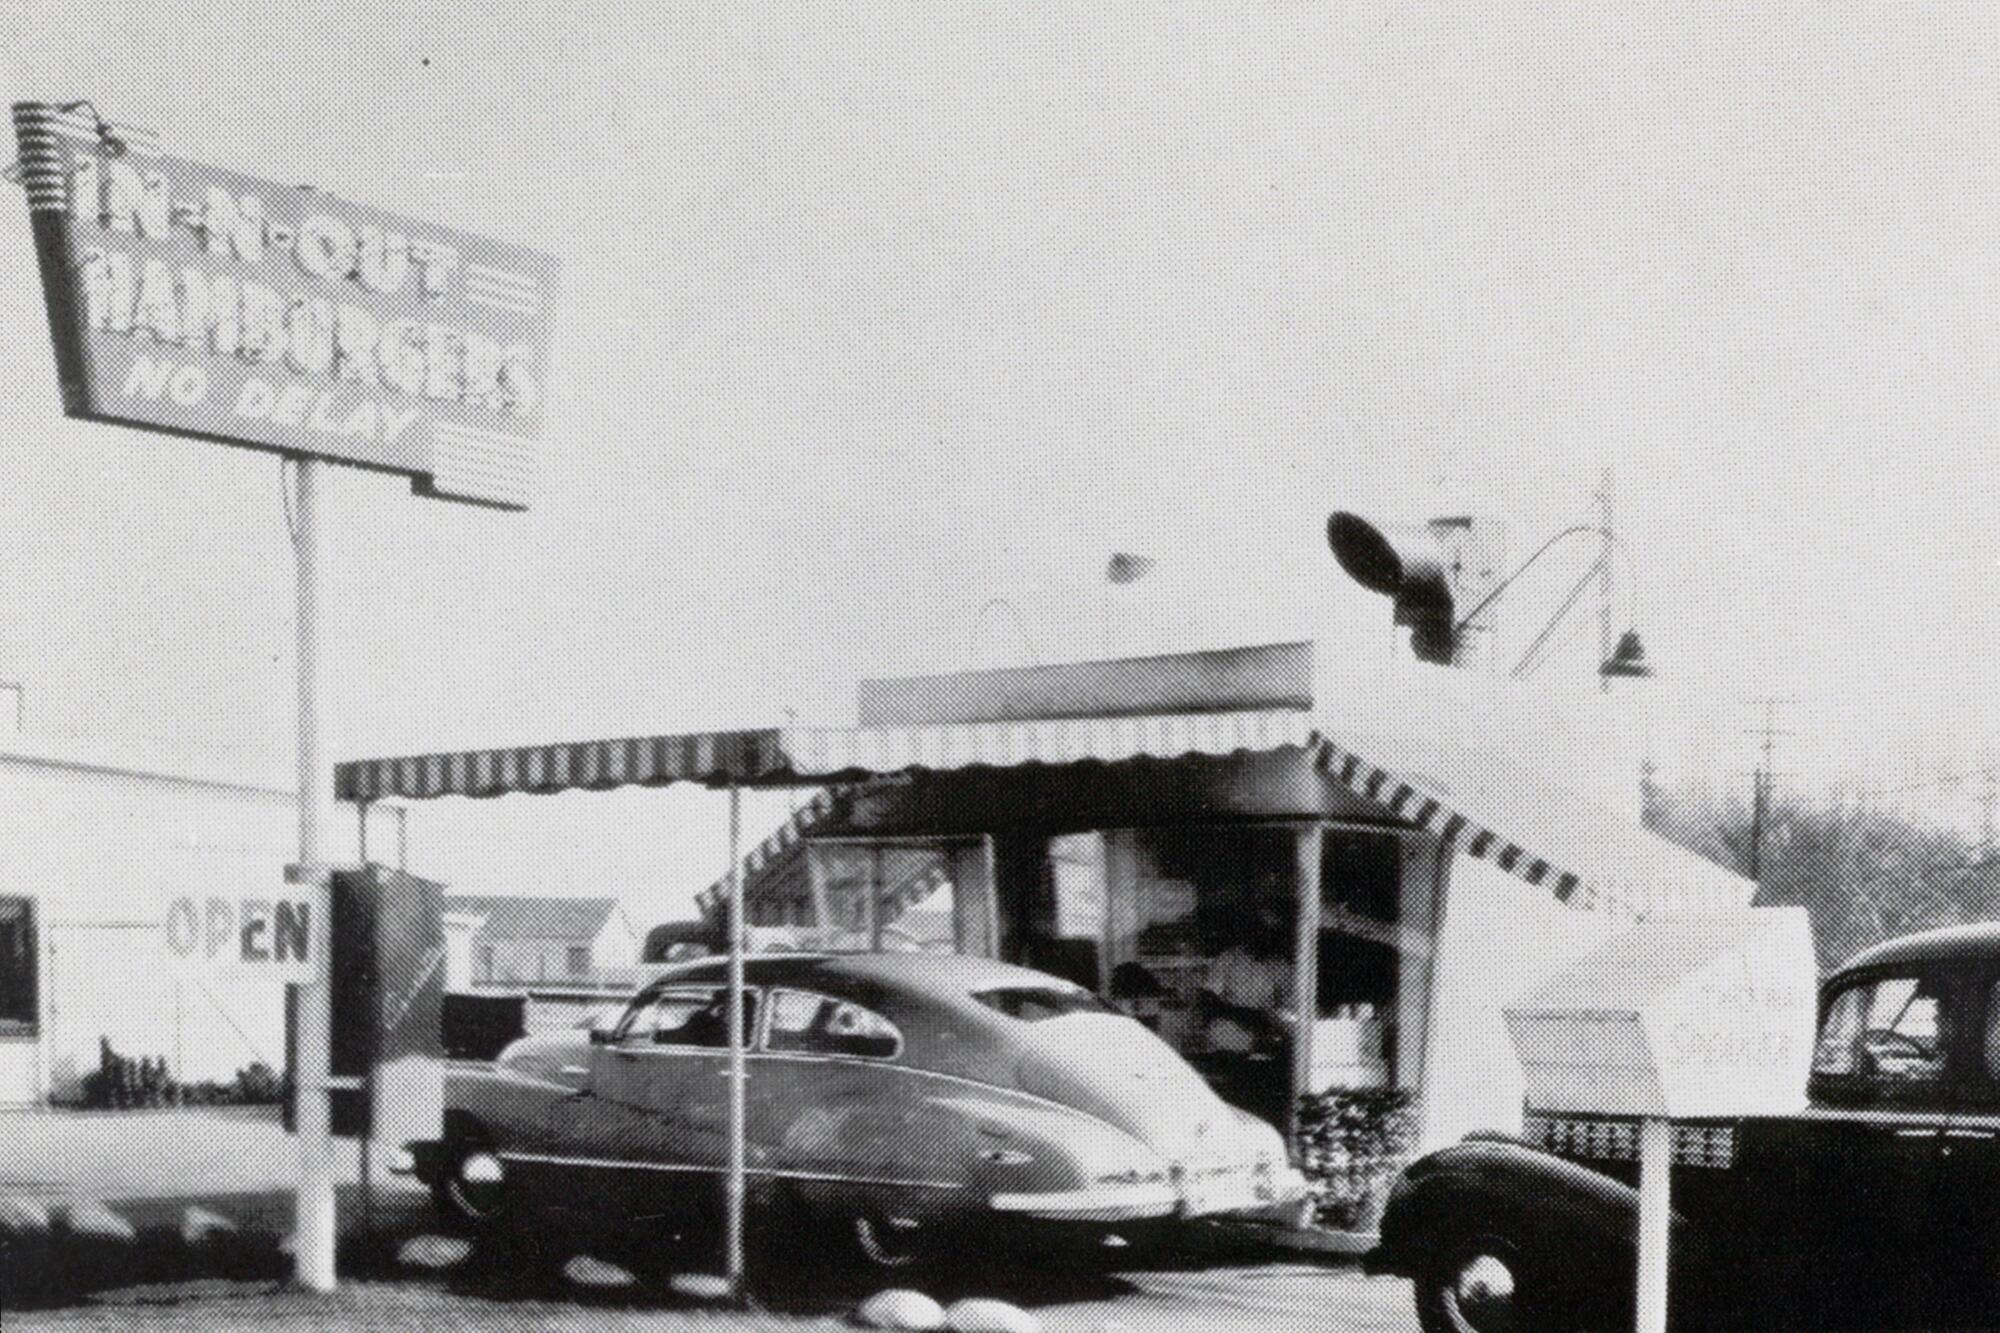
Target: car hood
<point>1117,1070</point>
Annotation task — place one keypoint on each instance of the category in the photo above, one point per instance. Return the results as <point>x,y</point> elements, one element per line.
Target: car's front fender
<point>1550,1210</point>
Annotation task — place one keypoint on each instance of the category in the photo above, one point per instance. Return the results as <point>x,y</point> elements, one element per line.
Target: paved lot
<point>149,1168</point>
<point>1224,1300</point>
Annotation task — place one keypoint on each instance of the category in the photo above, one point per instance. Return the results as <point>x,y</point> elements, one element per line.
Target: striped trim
<point>787,837</point>
<point>503,289</point>
<point>41,163</point>
<point>40,132</point>
<point>1461,832</point>
<point>715,758</point>
<point>482,464</point>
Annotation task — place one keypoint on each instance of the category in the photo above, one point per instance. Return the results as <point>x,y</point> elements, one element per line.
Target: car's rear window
<point>1032,1004</point>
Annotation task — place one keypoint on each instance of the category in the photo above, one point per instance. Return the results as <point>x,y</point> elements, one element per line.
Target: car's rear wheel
<point>1483,1285</point>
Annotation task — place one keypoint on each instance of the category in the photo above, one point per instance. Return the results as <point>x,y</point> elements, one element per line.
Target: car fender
<point>1550,1210</point>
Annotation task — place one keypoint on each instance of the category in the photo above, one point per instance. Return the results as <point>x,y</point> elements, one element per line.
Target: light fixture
<point>1627,659</point>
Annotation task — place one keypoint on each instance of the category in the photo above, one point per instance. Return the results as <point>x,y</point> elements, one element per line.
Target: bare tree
<point>1863,872</point>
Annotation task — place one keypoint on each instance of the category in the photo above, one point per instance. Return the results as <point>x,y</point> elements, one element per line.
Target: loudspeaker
<point>387,962</point>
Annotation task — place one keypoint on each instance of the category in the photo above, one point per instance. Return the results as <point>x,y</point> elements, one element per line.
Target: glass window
<point>1892,1032</point>
<point>695,1016</point>
<point>1032,1004</point>
<point>19,1001</point>
<point>822,1025</point>
<point>579,959</point>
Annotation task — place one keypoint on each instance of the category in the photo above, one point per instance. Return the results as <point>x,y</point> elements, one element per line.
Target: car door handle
<point>574,1069</point>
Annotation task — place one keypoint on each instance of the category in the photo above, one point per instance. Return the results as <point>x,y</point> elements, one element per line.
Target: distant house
<point>515,942</point>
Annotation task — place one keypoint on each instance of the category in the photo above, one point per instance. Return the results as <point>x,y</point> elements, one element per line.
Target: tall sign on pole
<point>194,301</point>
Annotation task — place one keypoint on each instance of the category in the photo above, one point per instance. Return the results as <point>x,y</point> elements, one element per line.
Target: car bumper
<point>1212,1194</point>
<point>1100,1203</point>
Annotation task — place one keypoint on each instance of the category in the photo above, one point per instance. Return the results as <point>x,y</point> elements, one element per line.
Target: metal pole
<point>733,1260</point>
<point>1656,1159</point>
<point>822,900</point>
<point>315,1215</point>
<point>875,899</point>
<point>1305,963</point>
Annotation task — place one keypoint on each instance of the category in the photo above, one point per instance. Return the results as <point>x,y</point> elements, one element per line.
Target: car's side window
<point>693,1016</point>
<point>1891,1034</point>
<point>821,1025</point>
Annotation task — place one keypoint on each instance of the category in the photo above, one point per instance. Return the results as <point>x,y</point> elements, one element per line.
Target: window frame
<point>770,1013</point>
<point>622,1035</point>
<point>30,1027</point>
<point>1962,1012</point>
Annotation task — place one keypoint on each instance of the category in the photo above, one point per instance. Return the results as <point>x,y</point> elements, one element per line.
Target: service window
<point>691,1016</point>
<point>1890,1035</point>
<point>821,1025</point>
<point>20,1008</point>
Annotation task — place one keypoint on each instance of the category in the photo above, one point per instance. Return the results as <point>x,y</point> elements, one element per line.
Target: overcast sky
<point>874,312</point>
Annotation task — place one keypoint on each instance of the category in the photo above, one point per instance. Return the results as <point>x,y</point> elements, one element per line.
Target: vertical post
<point>1308,850</point>
<point>361,809</point>
<point>1604,629</point>
<point>315,1218</point>
<point>875,897</point>
<point>1656,1159</point>
<point>733,1260</point>
<point>822,901</point>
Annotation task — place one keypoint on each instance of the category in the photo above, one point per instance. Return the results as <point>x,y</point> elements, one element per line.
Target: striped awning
<point>1527,822</point>
<point>813,756</point>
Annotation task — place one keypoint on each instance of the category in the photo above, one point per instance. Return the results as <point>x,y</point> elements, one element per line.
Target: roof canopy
<point>1529,823</point>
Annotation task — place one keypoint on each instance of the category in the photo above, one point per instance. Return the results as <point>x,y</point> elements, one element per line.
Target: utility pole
<point>1760,789</point>
<point>1604,522</point>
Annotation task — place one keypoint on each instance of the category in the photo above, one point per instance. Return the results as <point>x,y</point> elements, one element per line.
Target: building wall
<point>99,851</point>
<point>1500,937</point>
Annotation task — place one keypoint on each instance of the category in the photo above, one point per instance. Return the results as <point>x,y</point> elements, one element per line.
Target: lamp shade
<point>1628,658</point>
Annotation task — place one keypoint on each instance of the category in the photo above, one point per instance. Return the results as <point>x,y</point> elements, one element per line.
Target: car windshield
<point>1032,1004</point>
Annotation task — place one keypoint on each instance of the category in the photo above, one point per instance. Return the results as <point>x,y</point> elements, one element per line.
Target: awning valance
<point>1527,822</point>
<point>811,756</point>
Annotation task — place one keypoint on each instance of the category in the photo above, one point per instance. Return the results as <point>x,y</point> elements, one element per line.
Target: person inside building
<point>1246,999</point>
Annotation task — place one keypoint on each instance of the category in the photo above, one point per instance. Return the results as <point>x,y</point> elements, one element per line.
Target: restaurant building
<point>1394,852</point>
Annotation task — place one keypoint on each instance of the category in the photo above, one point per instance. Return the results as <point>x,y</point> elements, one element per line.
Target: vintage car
<point>893,1100</point>
<point>1876,1207</point>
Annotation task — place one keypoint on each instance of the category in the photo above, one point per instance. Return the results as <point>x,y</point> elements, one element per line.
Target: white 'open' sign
<point>274,933</point>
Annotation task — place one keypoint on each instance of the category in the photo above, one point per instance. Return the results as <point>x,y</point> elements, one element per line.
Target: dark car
<point>1877,1207</point>
<point>894,1100</point>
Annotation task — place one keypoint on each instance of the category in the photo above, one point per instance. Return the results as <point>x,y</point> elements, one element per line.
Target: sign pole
<point>1656,1160</point>
<point>737,1166</point>
<point>315,1221</point>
